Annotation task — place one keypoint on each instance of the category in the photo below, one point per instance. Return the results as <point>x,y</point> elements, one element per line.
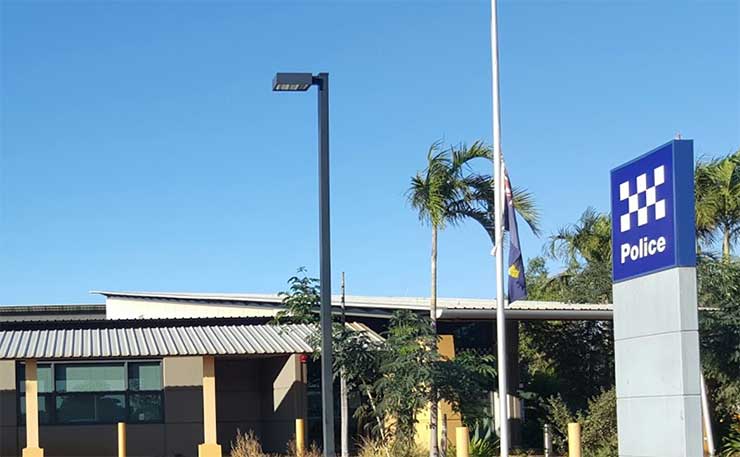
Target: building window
<point>97,392</point>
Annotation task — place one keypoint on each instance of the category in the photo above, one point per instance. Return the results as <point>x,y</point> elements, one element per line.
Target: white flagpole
<point>499,232</point>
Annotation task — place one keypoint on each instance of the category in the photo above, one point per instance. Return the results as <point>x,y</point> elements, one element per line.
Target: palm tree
<point>717,188</point>
<point>446,192</point>
<point>587,240</point>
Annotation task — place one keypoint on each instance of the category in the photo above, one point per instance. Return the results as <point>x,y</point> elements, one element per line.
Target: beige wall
<point>264,394</point>
<point>136,308</point>
<point>282,377</point>
<point>183,405</point>
<point>98,440</point>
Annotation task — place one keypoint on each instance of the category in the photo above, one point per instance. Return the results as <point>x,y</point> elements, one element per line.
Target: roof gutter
<point>545,314</point>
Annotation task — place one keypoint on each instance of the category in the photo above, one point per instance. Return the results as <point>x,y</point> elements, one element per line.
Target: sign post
<point>656,338</point>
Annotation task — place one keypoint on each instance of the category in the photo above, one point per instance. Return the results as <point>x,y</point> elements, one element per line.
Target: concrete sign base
<point>657,365</point>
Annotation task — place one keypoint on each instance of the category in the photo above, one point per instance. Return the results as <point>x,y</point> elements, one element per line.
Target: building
<point>185,371</point>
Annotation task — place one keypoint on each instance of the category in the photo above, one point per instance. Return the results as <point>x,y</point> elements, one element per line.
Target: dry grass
<point>312,451</point>
<point>379,448</point>
<point>246,445</point>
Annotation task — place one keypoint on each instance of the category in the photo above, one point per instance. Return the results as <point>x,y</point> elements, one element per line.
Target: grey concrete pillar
<point>656,345</point>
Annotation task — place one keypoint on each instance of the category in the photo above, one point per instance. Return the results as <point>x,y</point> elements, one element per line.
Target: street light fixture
<point>301,82</point>
<point>292,82</point>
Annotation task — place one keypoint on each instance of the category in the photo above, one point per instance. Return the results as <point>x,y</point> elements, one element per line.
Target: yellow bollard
<point>121,439</point>
<point>574,439</point>
<point>462,442</point>
<point>300,437</point>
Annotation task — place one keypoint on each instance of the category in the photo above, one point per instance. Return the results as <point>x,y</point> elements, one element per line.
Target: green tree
<point>585,242</point>
<point>446,192</point>
<point>717,190</point>
<point>719,326</point>
<point>410,352</point>
<point>574,358</point>
<point>301,300</point>
<point>394,377</point>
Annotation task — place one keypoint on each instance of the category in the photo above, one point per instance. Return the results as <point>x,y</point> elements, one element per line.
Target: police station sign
<point>653,211</point>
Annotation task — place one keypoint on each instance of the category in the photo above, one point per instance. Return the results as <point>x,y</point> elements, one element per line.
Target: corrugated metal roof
<point>89,343</point>
<point>51,312</point>
<point>63,308</point>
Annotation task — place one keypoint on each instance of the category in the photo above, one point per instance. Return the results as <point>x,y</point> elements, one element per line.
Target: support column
<point>513,380</point>
<point>210,446</point>
<point>32,448</point>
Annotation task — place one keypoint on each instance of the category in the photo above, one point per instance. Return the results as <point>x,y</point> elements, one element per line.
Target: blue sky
<point>142,147</point>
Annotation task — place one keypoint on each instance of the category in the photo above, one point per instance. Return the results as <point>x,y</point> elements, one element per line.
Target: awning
<point>159,341</point>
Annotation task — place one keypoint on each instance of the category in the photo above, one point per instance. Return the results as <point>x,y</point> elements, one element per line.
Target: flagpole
<point>499,248</point>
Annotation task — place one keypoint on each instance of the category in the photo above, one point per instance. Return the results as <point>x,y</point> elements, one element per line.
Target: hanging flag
<point>517,281</point>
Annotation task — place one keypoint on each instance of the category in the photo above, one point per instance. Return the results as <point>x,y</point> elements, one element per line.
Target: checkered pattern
<point>638,208</point>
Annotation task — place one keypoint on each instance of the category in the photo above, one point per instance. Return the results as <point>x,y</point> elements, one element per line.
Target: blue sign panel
<point>653,211</point>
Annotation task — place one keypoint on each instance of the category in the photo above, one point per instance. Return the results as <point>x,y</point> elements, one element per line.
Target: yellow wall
<point>446,349</point>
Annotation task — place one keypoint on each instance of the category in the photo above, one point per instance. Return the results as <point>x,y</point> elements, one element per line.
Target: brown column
<point>210,447</point>
<point>32,448</point>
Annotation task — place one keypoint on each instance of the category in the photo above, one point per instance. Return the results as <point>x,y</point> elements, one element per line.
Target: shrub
<point>374,447</point>
<point>484,442</point>
<point>312,450</point>
<point>731,444</point>
<point>246,445</point>
<point>598,420</point>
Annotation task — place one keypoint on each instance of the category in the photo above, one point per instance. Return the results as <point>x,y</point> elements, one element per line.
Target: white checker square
<point>624,223</point>
<point>642,183</point>
<point>624,190</point>
<point>642,216</point>
<point>652,209</point>
<point>651,196</point>
<point>660,210</point>
<point>659,175</point>
<point>634,203</point>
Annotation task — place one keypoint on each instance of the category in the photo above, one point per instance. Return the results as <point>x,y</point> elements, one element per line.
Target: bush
<point>731,444</point>
<point>484,442</point>
<point>598,421</point>
<point>312,451</point>
<point>374,447</point>
<point>246,445</point>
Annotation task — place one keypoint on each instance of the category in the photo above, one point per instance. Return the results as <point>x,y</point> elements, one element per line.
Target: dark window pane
<point>75,408</point>
<point>145,407</point>
<point>144,376</point>
<point>45,407</point>
<point>110,407</point>
<point>89,408</point>
<point>90,377</point>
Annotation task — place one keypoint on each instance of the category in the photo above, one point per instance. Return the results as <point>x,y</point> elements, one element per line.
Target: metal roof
<point>379,306</point>
<point>90,343</point>
<point>51,312</point>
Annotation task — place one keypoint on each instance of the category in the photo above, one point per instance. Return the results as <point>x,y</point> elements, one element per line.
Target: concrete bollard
<point>121,439</point>
<point>574,439</point>
<point>462,442</point>
<point>300,437</point>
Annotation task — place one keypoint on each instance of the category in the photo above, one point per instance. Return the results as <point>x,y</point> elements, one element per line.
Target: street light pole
<point>327,394</point>
<point>291,82</point>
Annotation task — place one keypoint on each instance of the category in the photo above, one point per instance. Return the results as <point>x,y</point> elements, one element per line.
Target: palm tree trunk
<point>726,243</point>
<point>433,450</point>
